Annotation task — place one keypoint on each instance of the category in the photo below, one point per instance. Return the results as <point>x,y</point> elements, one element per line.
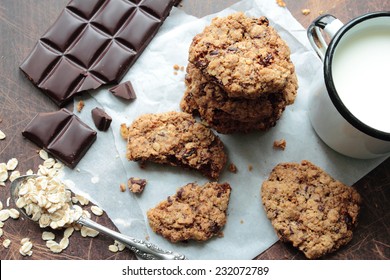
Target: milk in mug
<point>361,75</point>
<point>350,109</point>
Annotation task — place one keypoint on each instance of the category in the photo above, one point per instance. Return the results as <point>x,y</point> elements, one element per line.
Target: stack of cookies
<point>240,77</point>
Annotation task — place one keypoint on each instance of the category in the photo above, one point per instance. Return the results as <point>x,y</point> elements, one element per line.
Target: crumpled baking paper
<point>248,232</point>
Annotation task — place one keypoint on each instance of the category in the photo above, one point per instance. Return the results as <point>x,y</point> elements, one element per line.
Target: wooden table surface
<point>24,21</point>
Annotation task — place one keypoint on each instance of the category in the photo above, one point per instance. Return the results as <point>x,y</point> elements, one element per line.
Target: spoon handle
<point>141,248</point>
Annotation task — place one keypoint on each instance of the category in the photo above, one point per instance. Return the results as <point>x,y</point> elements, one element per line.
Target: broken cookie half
<point>175,138</point>
<point>193,213</point>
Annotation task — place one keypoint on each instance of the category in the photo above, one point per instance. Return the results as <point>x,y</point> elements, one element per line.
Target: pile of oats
<point>47,200</point>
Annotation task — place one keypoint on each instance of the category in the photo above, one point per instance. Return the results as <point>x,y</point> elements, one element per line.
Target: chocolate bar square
<point>62,134</point>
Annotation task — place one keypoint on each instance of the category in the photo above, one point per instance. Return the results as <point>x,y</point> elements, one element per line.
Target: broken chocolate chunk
<point>62,134</point>
<point>101,119</point>
<point>124,90</point>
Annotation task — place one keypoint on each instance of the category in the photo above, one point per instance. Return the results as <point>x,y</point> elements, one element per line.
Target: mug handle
<point>330,25</point>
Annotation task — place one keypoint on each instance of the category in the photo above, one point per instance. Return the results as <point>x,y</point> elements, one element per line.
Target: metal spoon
<point>141,248</point>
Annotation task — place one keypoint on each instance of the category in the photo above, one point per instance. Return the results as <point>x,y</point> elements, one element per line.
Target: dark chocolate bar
<point>101,119</point>
<point>92,43</point>
<point>124,90</point>
<point>62,134</point>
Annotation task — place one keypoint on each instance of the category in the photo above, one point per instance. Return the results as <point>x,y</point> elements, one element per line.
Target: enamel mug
<point>350,111</point>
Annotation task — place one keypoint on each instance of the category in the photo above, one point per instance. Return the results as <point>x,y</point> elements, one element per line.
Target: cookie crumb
<point>136,185</point>
<point>80,106</point>
<point>280,144</point>
<point>174,72</point>
<point>281,3</point>
<point>305,11</point>
<point>250,167</point>
<point>241,221</point>
<point>124,131</point>
<point>232,168</point>
<point>122,187</point>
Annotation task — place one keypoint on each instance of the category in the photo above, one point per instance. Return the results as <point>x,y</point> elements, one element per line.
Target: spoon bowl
<point>141,248</point>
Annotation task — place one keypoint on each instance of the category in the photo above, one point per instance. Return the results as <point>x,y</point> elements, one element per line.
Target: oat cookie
<point>310,209</point>
<point>244,55</point>
<point>208,95</point>
<point>223,123</point>
<point>228,115</point>
<point>175,138</point>
<point>194,212</point>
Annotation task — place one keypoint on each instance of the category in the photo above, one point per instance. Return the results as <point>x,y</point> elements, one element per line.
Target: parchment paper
<point>247,232</point>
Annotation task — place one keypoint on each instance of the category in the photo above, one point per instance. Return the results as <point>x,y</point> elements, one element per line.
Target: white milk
<point>361,74</point>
